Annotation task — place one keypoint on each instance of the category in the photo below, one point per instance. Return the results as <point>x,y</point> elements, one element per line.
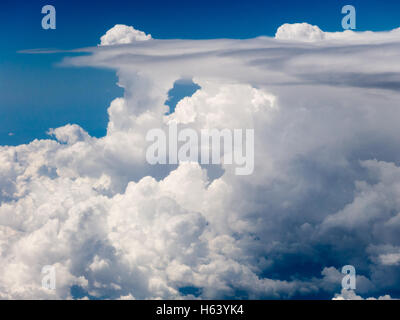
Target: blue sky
<point>36,95</point>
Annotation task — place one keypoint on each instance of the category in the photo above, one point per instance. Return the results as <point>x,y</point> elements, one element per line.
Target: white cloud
<point>304,32</point>
<point>326,178</point>
<point>69,134</point>
<point>122,34</point>
<point>299,31</point>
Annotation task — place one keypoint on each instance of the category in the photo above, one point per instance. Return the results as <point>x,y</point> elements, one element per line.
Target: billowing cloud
<point>122,34</point>
<point>299,31</point>
<point>324,192</point>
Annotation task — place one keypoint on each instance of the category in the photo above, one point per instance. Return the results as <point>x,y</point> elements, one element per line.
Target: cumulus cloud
<point>122,34</point>
<point>69,134</point>
<point>324,192</point>
<point>299,31</point>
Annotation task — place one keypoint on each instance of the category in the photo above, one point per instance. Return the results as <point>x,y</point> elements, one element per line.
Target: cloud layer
<point>325,190</point>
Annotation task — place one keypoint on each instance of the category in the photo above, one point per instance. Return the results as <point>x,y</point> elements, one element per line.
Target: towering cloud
<point>122,34</point>
<point>324,192</point>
